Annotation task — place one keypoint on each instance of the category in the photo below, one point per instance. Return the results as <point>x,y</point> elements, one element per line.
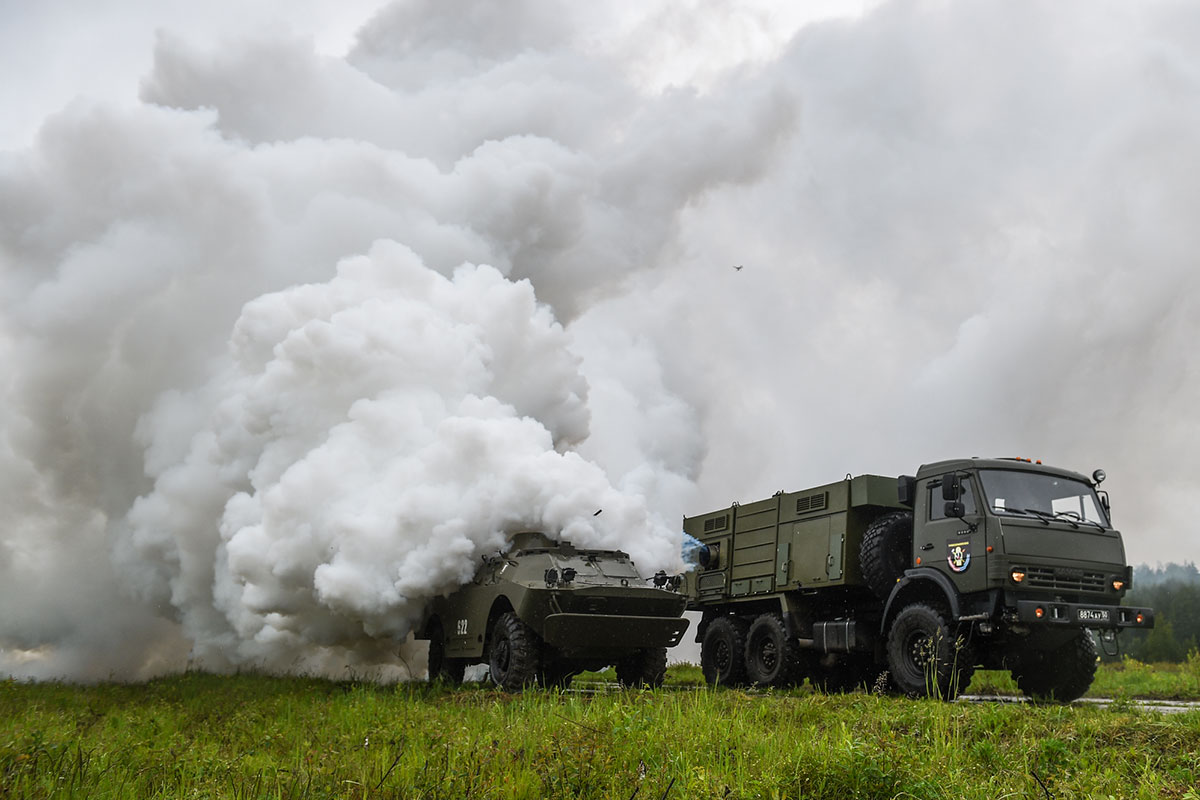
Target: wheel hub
<point>768,655</point>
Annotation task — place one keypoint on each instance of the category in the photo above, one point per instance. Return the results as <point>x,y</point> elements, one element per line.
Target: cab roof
<point>1016,464</point>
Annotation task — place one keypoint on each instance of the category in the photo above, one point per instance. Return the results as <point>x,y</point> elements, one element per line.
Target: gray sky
<point>304,306</point>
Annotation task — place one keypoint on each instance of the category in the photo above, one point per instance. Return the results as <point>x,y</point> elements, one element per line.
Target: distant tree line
<point>1173,591</point>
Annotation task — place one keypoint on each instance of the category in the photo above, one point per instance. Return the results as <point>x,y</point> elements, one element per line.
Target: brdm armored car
<point>544,611</point>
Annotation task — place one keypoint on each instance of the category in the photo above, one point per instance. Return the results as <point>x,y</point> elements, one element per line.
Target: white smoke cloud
<point>295,338</point>
<point>372,437</point>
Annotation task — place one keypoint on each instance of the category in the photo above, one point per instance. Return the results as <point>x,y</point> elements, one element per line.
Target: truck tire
<point>450,670</point>
<point>925,656</point>
<point>886,551</point>
<point>514,655</point>
<point>722,653</point>
<point>643,668</point>
<point>772,657</point>
<point>1059,675</point>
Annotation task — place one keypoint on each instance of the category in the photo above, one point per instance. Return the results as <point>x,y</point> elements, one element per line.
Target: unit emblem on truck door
<point>958,555</point>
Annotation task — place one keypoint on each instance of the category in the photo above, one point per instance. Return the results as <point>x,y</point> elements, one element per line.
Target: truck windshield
<point>1041,495</point>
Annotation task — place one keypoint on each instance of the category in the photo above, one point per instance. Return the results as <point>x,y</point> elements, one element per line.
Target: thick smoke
<point>295,339</point>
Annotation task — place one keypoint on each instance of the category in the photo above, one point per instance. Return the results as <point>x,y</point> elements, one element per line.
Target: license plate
<point>1092,615</point>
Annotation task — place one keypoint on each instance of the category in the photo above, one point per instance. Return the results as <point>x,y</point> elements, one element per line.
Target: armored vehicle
<point>913,582</point>
<point>545,611</point>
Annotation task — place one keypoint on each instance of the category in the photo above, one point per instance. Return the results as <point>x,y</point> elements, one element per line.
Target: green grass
<point>255,736</point>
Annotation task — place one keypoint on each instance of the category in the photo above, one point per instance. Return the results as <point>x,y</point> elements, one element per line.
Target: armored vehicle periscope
<point>545,611</point>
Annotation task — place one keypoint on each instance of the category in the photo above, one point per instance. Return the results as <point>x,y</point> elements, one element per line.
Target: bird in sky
<point>737,267</point>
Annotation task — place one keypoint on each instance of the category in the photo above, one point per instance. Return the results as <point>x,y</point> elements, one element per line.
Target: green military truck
<point>543,611</point>
<point>913,582</point>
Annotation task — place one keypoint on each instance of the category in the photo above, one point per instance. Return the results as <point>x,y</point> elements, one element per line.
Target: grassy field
<point>255,736</point>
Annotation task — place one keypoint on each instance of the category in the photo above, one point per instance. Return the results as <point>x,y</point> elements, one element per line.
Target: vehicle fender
<point>922,583</point>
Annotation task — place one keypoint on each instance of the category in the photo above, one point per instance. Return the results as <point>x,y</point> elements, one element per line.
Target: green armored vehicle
<point>545,611</point>
<point>913,582</point>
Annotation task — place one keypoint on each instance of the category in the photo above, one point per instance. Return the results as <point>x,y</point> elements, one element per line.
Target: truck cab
<point>1019,536</point>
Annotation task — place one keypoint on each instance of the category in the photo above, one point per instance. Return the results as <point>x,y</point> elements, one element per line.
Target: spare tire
<point>886,551</point>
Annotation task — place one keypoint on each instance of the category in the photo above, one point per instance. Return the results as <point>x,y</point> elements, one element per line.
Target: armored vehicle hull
<point>545,611</point>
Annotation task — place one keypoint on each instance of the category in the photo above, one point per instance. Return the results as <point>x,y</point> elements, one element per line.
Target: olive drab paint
<point>544,610</point>
<point>1000,563</point>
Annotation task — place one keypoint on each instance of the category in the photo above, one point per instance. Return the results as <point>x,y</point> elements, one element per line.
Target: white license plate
<point>1092,615</point>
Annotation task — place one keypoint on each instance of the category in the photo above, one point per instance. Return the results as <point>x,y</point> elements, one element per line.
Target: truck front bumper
<point>611,632</point>
<point>1083,615</point>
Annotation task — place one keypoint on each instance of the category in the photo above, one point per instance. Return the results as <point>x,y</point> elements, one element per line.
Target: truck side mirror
<point>952,489</point>
<point>955,509</point>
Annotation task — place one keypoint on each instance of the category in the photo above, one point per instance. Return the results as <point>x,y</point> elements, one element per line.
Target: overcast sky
<point>305,304</point>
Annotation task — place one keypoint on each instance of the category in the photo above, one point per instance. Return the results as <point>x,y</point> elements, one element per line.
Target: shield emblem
<point>958,555</point>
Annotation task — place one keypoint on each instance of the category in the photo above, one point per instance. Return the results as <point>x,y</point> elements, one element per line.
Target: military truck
<point>910,583</point>
<point>544,611</point>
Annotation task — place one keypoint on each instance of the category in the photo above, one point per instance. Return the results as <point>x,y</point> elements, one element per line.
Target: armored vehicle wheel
<point>886,551</point>
<point>925,656</point>
<point>722,653</point>
<point>1062,674</point>
<point>643,668</point>
<point>772,657</point>
<point>450,670</point>
<point>514,656</point>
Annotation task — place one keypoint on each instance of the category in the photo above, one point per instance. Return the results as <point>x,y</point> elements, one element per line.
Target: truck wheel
<point>450,670</point>
<point>514,656</point>
<point>925,656</point>
<point>1059,675</point>
<point>722,652</point>
<point>886,551</point>
<point>772,657</point>
<point>643,668</point>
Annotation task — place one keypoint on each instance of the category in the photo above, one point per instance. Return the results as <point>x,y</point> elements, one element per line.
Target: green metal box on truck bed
<point>791,540</point>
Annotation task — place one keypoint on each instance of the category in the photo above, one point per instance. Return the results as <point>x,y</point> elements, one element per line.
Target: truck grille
<point>1065,579</point>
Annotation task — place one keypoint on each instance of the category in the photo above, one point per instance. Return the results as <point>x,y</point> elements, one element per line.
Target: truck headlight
<point>1118,584</point>
<point>1017,576</point>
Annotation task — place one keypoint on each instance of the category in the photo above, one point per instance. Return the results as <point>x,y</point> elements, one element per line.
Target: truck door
<point>947,543</point>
